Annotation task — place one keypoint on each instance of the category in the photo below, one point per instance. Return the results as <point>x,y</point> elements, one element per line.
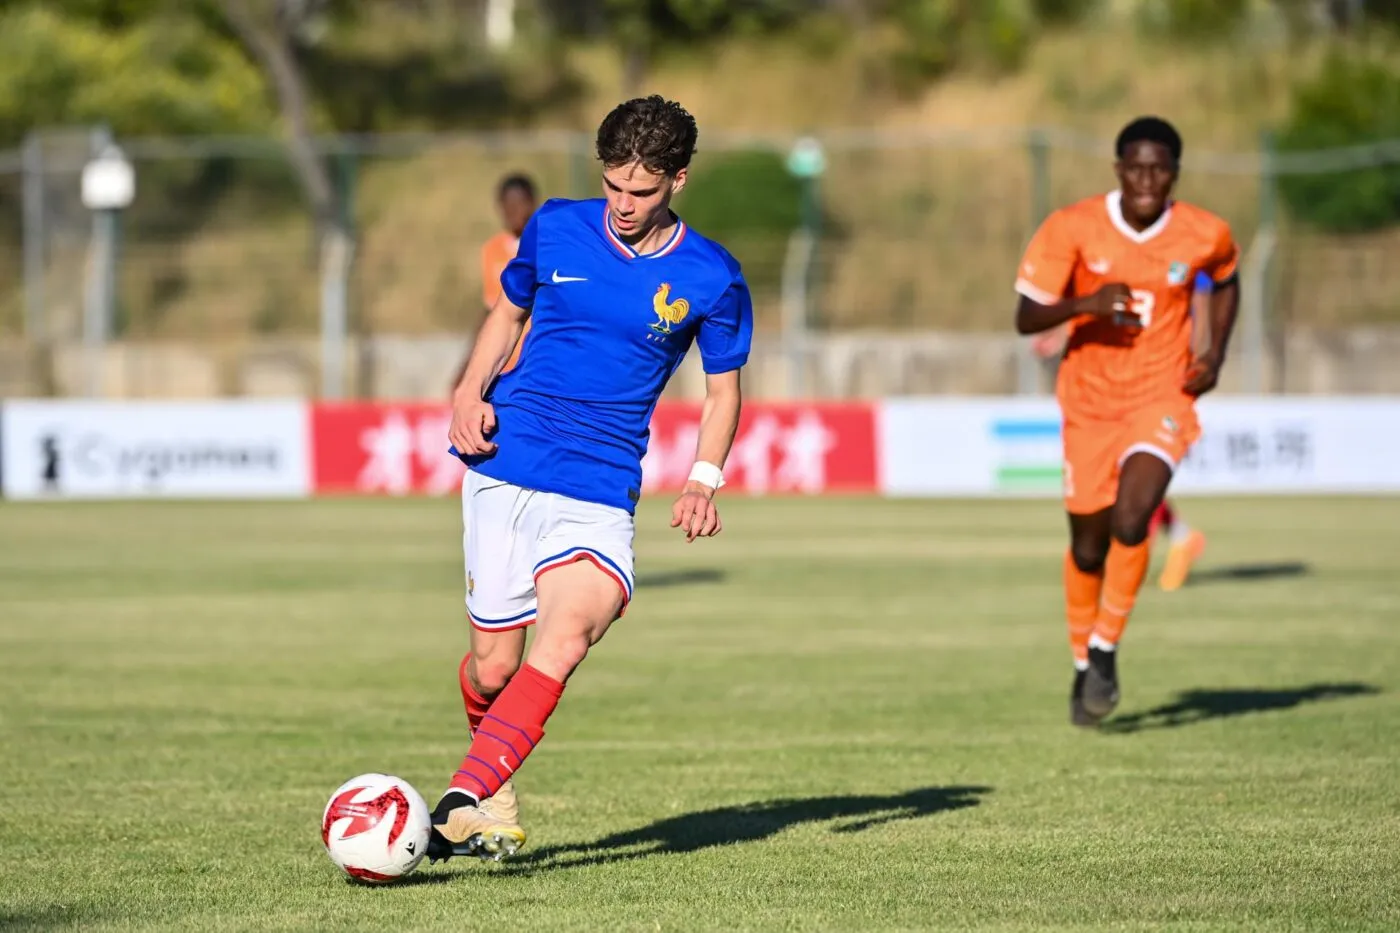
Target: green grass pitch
<point>844,714</point>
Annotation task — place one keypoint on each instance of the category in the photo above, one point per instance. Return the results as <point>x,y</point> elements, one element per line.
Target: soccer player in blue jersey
<point>615,290</point>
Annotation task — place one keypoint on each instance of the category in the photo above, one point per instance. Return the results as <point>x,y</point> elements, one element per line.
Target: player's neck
<point>1141,226</point>
<point>651,240</point>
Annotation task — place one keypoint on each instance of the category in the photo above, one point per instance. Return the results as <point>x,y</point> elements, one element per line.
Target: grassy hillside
<point>929,206</point>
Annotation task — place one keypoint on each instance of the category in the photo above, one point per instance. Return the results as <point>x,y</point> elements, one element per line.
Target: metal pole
<point>1039,148</point>
<point>806,161</point>
<point>97,307</point>
<point>336,255</point>
<point>1028,369</point>
<point>581,184</point>
<point>100,277</point>
<point>796,274</point>
<point>34,329</point>
<point>812,222</point>
<point>1256,306</point>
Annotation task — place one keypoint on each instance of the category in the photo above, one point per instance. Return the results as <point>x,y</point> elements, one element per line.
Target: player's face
<point>639,199</point>
<point>516,208</point>
<point>1147,173</point>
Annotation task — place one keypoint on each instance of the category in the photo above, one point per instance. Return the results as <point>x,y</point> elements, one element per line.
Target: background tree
<point>268,28</point>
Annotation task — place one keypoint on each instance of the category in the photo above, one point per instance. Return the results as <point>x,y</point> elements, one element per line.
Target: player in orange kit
<point>1184,543</point>
<point>1121,269</point>
<point>516,201</point>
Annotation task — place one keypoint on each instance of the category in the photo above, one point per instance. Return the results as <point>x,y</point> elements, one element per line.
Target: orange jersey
<point>496,253</point>
<point>1110,371</point>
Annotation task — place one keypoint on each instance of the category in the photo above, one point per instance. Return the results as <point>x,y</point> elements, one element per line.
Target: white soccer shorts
<point>512,535</point>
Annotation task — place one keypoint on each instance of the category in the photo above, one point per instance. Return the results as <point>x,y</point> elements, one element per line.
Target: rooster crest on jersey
<point>667,312</point>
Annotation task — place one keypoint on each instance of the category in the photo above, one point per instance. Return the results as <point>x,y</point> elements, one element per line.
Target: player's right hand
<point>1112,300</point>
<point>472,420</point>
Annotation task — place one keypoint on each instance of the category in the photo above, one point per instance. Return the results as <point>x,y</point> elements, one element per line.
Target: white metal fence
<point>916,232</point>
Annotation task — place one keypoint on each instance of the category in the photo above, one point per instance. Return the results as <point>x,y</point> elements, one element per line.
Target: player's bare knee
<point>1089,554</point>
<point>560,653</point>
<point>489,675</point>
<point>1130,525</point>
<point>496,656</point>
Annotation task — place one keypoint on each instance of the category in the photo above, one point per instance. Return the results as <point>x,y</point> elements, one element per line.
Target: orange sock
<point>1123,575</point>
<point>1081,607</point>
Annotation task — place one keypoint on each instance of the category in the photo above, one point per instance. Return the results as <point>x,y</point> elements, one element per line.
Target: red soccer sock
<point>476,704</point>
<point>1162,520</point>
<point>508,733</point>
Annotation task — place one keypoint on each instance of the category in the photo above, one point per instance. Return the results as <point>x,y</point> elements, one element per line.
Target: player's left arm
<point>724,337</point>
<point>1223,269</point>
<point>490,291</point>
<point>694,512</point>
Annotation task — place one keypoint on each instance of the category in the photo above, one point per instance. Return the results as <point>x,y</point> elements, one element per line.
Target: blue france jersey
<point>608,327</point>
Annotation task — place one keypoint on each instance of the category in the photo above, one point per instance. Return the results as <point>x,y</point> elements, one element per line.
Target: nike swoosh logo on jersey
<point>1098,267</point>
<point>557,279</point>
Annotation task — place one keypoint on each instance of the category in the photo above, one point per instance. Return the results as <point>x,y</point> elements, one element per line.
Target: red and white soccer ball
<point>376,827</point>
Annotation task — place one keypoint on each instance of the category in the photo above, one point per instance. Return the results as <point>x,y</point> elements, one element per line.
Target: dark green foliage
<point>1382,11</point>
<point>675,20</point>
<point>1058,12</point>
<point>1351,101</point>
<point>164,75</point>
<point>749,202</point>
<point>1194,19</point>
<point>937,35</point>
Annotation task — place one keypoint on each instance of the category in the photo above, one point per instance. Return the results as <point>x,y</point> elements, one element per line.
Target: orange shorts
<point>1095,449</point>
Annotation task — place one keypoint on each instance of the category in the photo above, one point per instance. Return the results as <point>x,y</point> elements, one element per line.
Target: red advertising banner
<point>401,449</point>
<point>807,448</point>
<point>382,448</point>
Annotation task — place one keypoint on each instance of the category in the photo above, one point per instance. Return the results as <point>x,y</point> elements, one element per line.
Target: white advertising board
<point>1294,445</point>
<point>1011,447</point>
<point>969,447</point>
<point>81,449</point>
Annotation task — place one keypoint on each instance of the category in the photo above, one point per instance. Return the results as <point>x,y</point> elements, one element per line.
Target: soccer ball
<point>376,827</point>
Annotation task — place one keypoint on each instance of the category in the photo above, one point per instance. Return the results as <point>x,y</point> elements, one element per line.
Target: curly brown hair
<point>656,132</point>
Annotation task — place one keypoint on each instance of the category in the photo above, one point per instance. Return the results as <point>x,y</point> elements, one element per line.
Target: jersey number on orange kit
<point>1144,303</point>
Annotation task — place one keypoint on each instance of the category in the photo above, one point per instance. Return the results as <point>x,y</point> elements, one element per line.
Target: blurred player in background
<point>1185,544</point>
<point>516,200</point>
<point>616,289</point>
<point>1121,270</point>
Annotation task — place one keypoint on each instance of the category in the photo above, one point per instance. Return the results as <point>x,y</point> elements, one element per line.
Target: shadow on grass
<point>1195,706</point>
<point>685,577</point>
<point>1237,572</point>
<point>52,917</point>
<point>752,822</point>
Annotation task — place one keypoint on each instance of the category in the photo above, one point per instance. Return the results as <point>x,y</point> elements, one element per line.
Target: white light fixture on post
<point>108,187</point>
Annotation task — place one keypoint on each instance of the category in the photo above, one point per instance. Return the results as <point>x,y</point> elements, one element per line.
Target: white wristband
<point>707,474</point>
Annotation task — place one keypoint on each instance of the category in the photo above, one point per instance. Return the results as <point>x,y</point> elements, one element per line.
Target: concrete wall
<point>1359,361</point>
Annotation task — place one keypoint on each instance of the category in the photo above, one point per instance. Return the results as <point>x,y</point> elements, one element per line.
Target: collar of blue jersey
<point>667,248</point>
